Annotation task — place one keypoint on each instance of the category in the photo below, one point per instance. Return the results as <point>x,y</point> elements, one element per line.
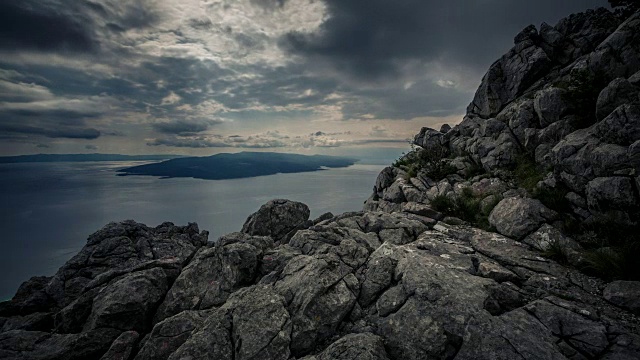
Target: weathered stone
<point>625,294</point>
<point>276,218</point>
<point>122,347</point>
<point>621,127</point>
<point>517,217</point>
<point>547,236</point>
<point>355,347</point>
<point>611,193</point>
<point>550,105</point>
<point>618,92</point>
<point>215,273</point>
<point>394,193</point>
<point>129,303</point>
<point>168,335</point>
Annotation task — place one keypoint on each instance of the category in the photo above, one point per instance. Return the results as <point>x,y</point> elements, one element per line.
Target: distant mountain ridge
<point>238,165</point>
<point>81,158</point>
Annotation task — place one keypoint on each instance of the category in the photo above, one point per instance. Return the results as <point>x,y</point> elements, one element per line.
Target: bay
<point>48,210</point>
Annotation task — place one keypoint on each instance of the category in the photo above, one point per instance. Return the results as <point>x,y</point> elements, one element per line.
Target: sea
<point>47,210</point>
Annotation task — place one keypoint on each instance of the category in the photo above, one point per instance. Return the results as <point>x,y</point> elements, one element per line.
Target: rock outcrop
<point>461,256</point>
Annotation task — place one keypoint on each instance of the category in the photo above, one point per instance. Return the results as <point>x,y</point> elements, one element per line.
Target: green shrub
<point>556,251</point>
<point>466,206</point>
<point>527,172</point>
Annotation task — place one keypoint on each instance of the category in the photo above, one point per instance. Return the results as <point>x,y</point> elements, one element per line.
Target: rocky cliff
<point>476,245</point>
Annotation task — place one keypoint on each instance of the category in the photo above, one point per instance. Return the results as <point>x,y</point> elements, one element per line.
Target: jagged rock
<point>514,72</point>
<point>31,297</point>
<point>276,219</point>
<point>519,115</point>
<point>625,294</point>
<point>546,236</point>
<point>429,138</point>
<point>320,293</point>
<point>611,193</point>
<point>31,322</point>
<point>214,273</point>
<point>621,127</point>
<point>445,128</point>
<point>120,246</point>
<point>550,105</point>
<point>496,272</point>
<point>364,346</point>
<point>618,92</point>
<point>122,347</point>
<point>394,193</point>
<point>168,335</point>
<point>253,324</point>
<point>517,217</point>
<point>129,303</point>
<point>35,345</point>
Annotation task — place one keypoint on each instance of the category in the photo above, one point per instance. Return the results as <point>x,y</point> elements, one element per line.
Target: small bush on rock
<point>466,206</point>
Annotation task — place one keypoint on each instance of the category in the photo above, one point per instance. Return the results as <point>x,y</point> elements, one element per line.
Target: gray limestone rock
<point>168,335</point>
<point>129,303</point>
<point>215,273</point>
<point>276,218</point>
<point>611,193</point>
<point>618,92</point>
<point>517,217</point>
<point>550,105</point>
<point>122,347</point>
<point>365,346</point>
<point>625,294</point>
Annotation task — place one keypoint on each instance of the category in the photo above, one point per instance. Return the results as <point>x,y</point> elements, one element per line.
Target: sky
<point>201,77</point>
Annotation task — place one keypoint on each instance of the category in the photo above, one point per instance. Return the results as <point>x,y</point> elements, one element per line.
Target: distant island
<point>82,157</point>
<point>238,165</point>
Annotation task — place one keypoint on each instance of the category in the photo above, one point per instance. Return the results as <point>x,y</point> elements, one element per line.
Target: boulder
<point>508,77</point>
<point>618,92</point>
<point>276,219</point>
<point>130,302</point>
<point>215,273</point>
<point>621,127</point>
<point>517,217</point>
<point>550,104</point>
<point>122,347</point>
<point>615,193</point>
<point>625,294</point>
<point>364,346</point>
<point>168,335</point>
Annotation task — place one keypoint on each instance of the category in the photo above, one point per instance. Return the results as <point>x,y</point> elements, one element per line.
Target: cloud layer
<point>194,76</point>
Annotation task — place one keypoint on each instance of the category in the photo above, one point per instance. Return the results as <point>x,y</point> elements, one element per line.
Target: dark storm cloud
<point>30,25</point>
<point>374,38</point>
<point>184,127</point>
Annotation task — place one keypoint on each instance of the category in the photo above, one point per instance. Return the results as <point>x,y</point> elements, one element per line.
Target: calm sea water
<point>47,210</point>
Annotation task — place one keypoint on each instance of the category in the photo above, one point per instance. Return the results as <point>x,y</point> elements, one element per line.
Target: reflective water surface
<point>47,210</point>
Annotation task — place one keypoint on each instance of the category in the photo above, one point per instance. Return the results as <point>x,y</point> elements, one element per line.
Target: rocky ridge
<point>400,279</point>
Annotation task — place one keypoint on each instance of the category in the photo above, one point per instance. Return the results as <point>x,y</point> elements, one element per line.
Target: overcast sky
<point>207,76</point>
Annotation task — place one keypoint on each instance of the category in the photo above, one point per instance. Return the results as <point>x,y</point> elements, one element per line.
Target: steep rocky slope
<point>401,279</point>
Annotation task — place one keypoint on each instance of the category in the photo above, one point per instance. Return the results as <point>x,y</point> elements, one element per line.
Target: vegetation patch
<point>613,248</point>
<point>466,206</point>
<point>527,173</point>
<point>556,251</point>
